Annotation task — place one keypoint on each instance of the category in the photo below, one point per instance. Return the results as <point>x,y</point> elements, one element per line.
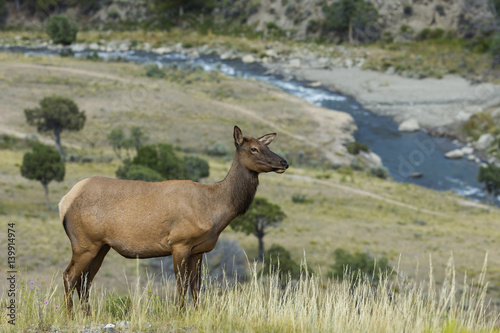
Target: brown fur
<point>144,220</point>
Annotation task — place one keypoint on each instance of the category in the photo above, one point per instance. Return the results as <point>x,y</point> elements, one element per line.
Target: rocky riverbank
<point>438,106</point>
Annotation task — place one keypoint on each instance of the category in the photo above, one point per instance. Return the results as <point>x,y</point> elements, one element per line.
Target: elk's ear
<point>267,139</point>
<point>238,136</point>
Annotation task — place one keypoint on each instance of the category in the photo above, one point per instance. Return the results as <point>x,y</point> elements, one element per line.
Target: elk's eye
<point>254,150</point>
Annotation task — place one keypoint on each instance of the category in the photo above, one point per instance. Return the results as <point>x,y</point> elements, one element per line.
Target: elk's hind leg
<point>87,278</point>
<point>72,276</point>
<point>194,270</point>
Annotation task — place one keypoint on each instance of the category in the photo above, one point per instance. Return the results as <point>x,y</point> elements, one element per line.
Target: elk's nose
<point>284,164</point>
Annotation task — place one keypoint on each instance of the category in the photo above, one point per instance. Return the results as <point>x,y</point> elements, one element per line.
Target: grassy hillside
<point>410,225</point>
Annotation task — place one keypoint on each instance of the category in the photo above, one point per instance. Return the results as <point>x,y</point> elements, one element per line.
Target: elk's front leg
<point>195,275</point>
<point>181,258</point>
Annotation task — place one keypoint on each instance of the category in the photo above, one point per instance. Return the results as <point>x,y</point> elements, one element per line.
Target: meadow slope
<point>354,211</point>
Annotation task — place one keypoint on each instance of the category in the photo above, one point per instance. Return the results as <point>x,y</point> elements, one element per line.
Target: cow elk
<point>138,219</point>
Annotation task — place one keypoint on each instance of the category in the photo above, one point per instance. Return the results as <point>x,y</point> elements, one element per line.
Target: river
<point>402,153</point>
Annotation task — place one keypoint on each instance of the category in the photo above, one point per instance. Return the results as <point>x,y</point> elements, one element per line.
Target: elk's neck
<point>237,191</point>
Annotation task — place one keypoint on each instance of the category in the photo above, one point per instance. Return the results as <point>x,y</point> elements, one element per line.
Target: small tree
<point>490,176</point>
<point>345,15</point>
<point>117,138</point>
<point>44,164</point>
<point>61,29</point>
<point>261,216</point>
<point>137,137</point>
<point>55,115</point>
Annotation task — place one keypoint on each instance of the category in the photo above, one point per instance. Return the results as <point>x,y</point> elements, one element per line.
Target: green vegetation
<point>480,123</point>
<point>261,216</point>
<point>360,266</point>
<point>351,210</point>
<point>43,164</point>
<point>158,162</point>
<point>352,18</point>
<point>55,115</point>
<point>61,29</point>
<point>354,148</point>
<point>490,176</point>
<point>279,261</point>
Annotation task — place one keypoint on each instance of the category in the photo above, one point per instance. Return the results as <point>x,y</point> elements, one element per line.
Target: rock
<point>247,59</point>
<point>295,63</point>
<point>162,50</point>
<point>471,158</point>
<point>371,159</point>
<point>109,328</point>
<point>271,53</point>
<point>409,125</point>
<point>78,47</point>
<point>315,84</point>
<point>468,150</point>
<point>124,47</point>
<point>348,63</point>
<point>147,47</point>
<point>94,46</point>
<point>484,141</point>
<point>454,154</point>
<point>416,175</point>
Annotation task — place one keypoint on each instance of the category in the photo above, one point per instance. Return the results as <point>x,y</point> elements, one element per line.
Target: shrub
<point>427,33</point>
<point>279,260</point>
<point>358,265</point>
<point>479,124</point>
<point>218,149</point>
<point>196,168</point>
<point>300,198</point>
<point>154,71</point>
<point>141,172</point>
<point>61,29</point>
<point>408,10</point>
<point>380,172</point>
<point>354,148</point>
<point>161,158</point>
<point>495,45</point>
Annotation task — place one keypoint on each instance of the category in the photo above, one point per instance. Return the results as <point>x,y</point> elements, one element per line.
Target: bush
<point>300,198</point>
<point>141,172</point>
<point>61,29</point>
<point>196,168</point>
<point>380,172</point>
<point>153,70</point>
<point>218,149</point>
<point>354,148</point>
<point>427,33</point>
<point>279,260</point>
<point>358,265</point>
<point>495,47</point>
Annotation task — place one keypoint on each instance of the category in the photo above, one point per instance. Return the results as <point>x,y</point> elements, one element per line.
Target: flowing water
<point>402,153</point>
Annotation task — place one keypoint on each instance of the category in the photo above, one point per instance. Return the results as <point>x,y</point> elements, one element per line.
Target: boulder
<point>162,50</point>
<point>468,150</point>
<point>248,59</point>
<point>484,141</point>
<point>315,84</point>
<point>409,125</point>
<point>454,154</point>
<point>371,159</point>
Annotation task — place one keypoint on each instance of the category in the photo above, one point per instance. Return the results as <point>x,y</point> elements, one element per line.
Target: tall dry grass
<point>266,304</point>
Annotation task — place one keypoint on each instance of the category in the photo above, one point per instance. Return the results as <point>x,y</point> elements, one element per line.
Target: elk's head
<point>255,155</point>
